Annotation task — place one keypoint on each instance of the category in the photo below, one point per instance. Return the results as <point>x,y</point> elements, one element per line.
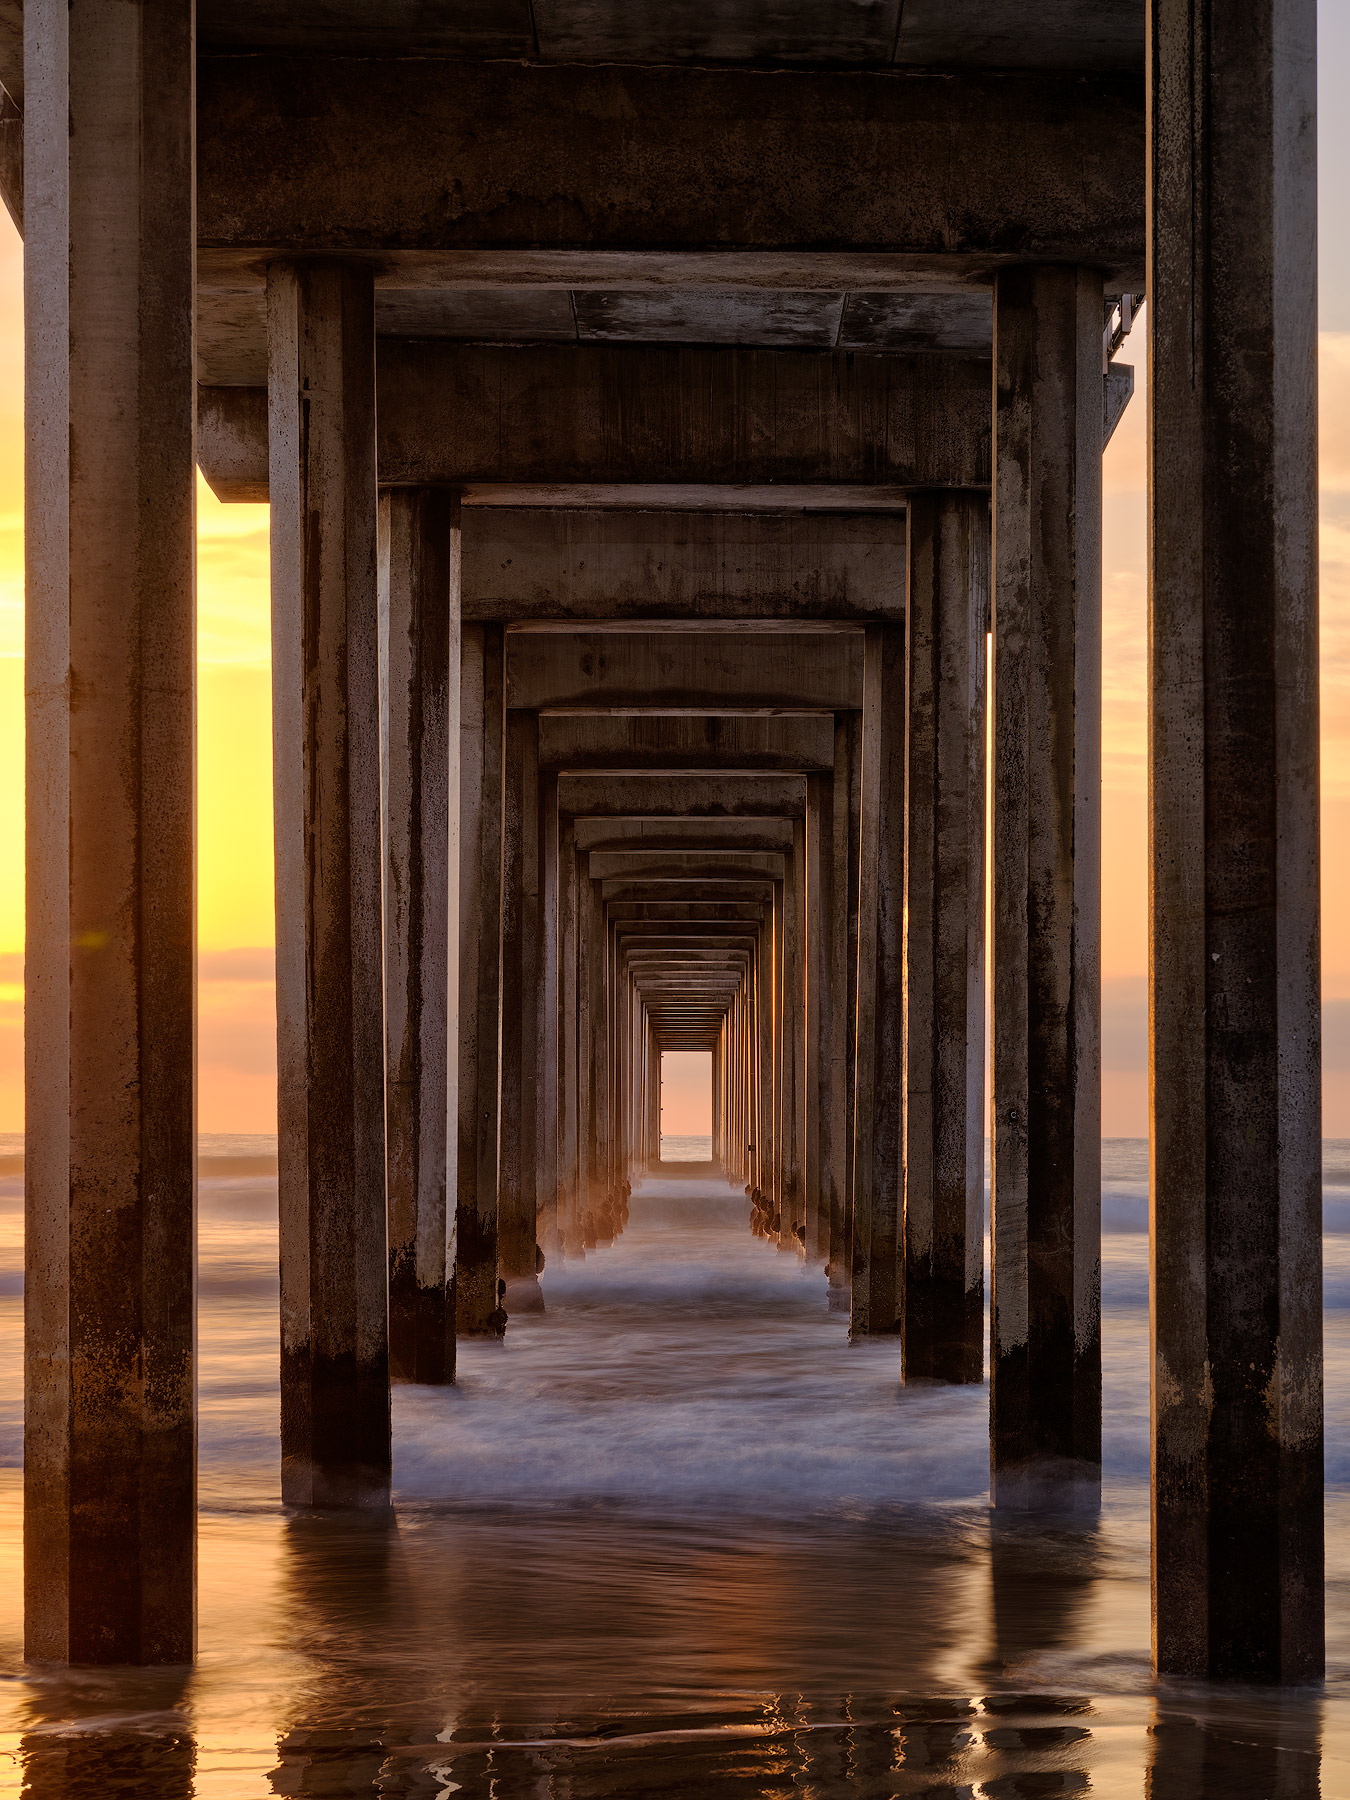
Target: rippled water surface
<point>675,1537</point>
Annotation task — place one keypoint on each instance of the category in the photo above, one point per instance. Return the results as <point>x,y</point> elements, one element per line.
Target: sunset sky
<point>237,1050</point>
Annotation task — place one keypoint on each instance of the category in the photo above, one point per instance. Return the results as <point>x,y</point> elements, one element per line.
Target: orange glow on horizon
<point>234,779</point>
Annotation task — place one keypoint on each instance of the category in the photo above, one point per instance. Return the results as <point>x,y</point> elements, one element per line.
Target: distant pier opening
<point>686,1106</point>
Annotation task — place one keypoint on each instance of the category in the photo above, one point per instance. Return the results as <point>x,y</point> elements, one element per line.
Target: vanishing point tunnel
<point>683,434</point>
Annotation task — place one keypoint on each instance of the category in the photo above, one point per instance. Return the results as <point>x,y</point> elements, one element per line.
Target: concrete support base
<point>877,1107</point>
<point>335,1442</point>
<point>477,1300</point>
<point>1237,1204</point>
<point>1045,1423</point>
<point>942,1293</point>
<point>419,605</point>
<point>109,1480</point>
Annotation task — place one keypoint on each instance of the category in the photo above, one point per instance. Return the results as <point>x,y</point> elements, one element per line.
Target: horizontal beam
<point>815,669</point>
<point>713,746</point>
<point>685,865</point>
<point>523,563</point>
<point>456,414</point>
<point>412,158</point>
<point>684,834</point>
<point>706,892</point>
<point>656,796</point>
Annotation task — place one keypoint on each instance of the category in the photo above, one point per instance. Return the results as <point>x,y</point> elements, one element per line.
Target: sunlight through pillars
<point>686,1105</point>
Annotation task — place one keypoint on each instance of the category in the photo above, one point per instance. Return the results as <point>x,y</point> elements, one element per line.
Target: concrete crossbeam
<point>686,833</point>
<point>315,154</point>
<point>814,667</point>
<point>531,563</point>
<point>716,746</point>
<point>457,414</point>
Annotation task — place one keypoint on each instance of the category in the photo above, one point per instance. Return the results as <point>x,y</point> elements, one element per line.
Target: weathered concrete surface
<point>452,414</point>
<point>1045,1385</point>
<point>655,796</point>
<point>482,727</point>
<point>420,544</point>
<point>942,1262</point>
<point>824,1034</point>
<point>847,876</point>
<point>1000,34</point>
<point>326,778</point>
<point>684,834</point>
<point>311,154</point>
<point>683,866</point>
<point>522,563</point>
<point>1237,1375</point>
<point>521,1072</point>
<point>110,1166</point>
<point>877,1157</point>
<point>699,743</point>
<point>814,667</point>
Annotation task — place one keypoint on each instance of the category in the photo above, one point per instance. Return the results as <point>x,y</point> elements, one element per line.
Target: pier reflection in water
<point>676,1537</point>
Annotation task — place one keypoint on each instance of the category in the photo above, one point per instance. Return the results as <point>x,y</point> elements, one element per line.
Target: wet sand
<point>674,1537</point>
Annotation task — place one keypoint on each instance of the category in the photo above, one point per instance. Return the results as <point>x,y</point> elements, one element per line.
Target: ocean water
<point>673,1537</point>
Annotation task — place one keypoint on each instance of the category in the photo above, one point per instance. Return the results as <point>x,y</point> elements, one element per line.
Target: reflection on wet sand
<point>110,1732</point>
<point>675,1538</point>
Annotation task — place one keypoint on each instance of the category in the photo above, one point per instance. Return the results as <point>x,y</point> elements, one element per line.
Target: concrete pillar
<point>546,1099</point>
<point>792,1228</point>
<point>822,1119</point>
<point>569,897</point>
<point>1045,1401</point>
<point>419,608</point>
<point>522,1071</point>
<point>109,1527</point>
<point>847,797</point>
<point>1237,1290</point>
<point>477,1309</point>
<point>326,777</point>
<point>875,1302</point>
<point>947,617</point>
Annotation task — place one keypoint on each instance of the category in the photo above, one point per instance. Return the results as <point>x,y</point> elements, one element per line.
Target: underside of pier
<point>683,432</point>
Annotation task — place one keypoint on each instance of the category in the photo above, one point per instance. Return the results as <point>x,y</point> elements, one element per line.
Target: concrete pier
<point>1045,1377</point>
<point>673,735</point>
<point>481,730</point>
<point>420,544</point>
<point>1236,1195</point>
<point>942,1282</point>
<point>110,1437</point>
<point>330,950</point>
<point>877,1150</point>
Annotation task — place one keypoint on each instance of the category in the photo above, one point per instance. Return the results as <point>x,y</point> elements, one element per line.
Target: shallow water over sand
<point>674,1537</point>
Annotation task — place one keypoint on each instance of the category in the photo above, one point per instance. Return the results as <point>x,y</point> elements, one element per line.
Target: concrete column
<point>569,1210</point>
<point>546,1099</point>
<point>419,608</point>
<point>792,1220</point>
<point>521,1069</point>
<point>875,1303</point>
<point>109,1497</point>
<point>326,777</point>
<point>1237,1290</point>
<point>947,615</point>
<point>824,1106</point>
<point>1046,1353</point>
<point>477,1309</point>
<point>847,794</point>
